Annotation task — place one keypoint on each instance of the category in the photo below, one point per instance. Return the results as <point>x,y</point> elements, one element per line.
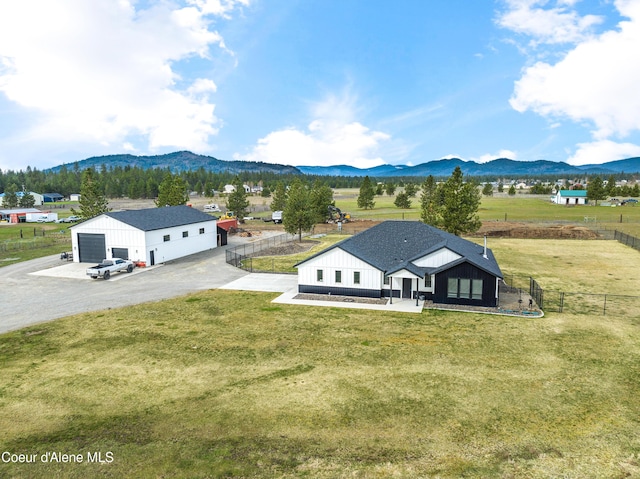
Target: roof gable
<point>159,218</point>
<point>394,245</point>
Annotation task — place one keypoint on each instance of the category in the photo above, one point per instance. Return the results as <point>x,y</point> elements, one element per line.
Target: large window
<point>464,288</point>
<point>338,276</point>
<point>356,277</point>
<point>319,275</point>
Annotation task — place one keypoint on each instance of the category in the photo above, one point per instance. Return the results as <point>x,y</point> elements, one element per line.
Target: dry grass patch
<point>224,383</point>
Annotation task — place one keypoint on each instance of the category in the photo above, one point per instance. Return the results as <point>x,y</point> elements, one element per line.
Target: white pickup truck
<point>108,266</point>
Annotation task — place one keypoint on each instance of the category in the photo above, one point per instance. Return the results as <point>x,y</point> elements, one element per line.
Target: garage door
<point>91,248</point>
<point>120,253</point>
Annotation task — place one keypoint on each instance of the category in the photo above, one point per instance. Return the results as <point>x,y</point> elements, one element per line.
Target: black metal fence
<point>627,239</point>
<point>241,256</point>
<point>576,302</point>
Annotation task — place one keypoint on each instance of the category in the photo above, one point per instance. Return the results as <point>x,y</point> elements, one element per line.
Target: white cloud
<point>602,151</point>
<point>333,137</point>
<point>559,24</point>
<point>105,72</point>
<point>512,155</point>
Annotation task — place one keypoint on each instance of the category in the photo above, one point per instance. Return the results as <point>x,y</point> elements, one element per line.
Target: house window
<point>185,234</point>
<point>356,277</point>
<point>464,288</point>
<point>319,275</point>
<point>201,231</point>
<point>476,289</point>
<point>166,238</point>
<point>427,281</point>
<point>338,276</point>
<point>386,280</point>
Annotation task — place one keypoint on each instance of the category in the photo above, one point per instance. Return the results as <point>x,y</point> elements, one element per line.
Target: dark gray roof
<point>159,218</point>
<point>392,246</point>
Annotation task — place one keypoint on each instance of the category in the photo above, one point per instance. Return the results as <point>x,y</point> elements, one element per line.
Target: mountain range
<point>501,167</point>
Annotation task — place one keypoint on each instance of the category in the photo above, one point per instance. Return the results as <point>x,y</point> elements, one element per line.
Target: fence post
<point>561,308</point>
<point>604,308</point>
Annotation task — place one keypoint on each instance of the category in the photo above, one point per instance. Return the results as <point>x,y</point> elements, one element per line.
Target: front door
<point>406,288</point>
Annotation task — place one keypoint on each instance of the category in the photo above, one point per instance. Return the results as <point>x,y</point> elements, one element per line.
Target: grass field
<point>224,383</point>
<point>25,241</point>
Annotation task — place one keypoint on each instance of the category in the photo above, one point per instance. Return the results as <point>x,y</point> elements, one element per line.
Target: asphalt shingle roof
<point>159,218</point>
<point>393,245</point>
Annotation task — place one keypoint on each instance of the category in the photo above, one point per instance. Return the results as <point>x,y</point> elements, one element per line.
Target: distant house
<point>74,197</point>
<point>404,259</point>
<point>36,196</point>
<point>230,189</point>
<point>52,197</point>
<point>570,197</point>
<point>153,235</point>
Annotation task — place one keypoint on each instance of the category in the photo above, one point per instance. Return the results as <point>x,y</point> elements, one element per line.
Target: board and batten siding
<point>339,260</point>
<point>437,258</point>
<point>116,234</point>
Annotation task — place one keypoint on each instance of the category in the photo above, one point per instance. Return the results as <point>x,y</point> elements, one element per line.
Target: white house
<point>153,235</point>
<point>404,259</point>
<point>570,197</point>
<point>230,189</point>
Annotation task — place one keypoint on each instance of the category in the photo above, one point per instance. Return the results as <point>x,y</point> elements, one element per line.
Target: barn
<point>404,259</point>
<point>152,236</point>
<point>570,197</point>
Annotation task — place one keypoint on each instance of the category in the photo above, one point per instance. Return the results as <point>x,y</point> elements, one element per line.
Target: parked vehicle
<point>108,266</point>
<point>631,201</point>
<point>276,217</point>
<point>73,219</point>
<point>212,208</point>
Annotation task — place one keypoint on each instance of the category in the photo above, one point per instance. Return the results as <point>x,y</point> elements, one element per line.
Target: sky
<point>320,82</point>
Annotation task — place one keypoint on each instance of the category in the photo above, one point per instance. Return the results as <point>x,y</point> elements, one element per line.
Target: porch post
<point>417,286</point>
<point>390,289</point>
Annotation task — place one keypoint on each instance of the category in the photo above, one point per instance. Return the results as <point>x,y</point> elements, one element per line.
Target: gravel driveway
<point>27,298</point>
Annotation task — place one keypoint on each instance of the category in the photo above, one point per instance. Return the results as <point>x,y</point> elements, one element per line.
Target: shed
<point>52,197</point>
<point>153,235</point>
<point>18,215</point>
<point>570,197</point>
<point>404,259</point>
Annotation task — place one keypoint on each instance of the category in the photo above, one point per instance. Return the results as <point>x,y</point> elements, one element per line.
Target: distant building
<point>39,199</point>
<point>52,197</point>
<point>570,197</point>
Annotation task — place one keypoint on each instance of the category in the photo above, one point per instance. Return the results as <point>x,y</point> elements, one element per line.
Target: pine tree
<point>512,191</point>
<point>611,186</point>
<point>92,200</point>
<point>298,216</point>
<point>321,197</point>
<point>237,201</point>
<point>461,204</point>
<point>430,202</point>
<point>403,201</point>
<point>172,191</point>
<point>389,187</point>
<point>10,199</point>
<point>27,200</point>
<point>367,193</point>
<point>279,200</point>
<point>595,190</point>
<point>487,190</point>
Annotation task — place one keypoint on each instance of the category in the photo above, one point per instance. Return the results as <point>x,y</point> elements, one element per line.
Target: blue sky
<point>320,82</point>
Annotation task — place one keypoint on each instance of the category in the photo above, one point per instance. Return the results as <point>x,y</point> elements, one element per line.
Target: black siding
<point>363,293</point>
<point>466,271</point>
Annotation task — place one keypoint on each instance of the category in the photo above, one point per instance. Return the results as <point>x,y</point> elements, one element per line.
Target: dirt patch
<point>292,247</point>
<point>534,231</point>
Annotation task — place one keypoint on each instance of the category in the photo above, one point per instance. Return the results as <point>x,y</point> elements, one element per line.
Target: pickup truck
<point>108,266</point>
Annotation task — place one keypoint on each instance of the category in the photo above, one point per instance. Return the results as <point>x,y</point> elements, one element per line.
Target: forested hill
<point>180,161</point>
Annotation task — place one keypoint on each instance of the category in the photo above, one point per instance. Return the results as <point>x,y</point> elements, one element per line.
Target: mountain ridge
<point>502,167</point>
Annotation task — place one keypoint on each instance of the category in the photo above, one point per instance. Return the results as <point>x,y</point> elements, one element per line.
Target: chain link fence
<point>241,256</point>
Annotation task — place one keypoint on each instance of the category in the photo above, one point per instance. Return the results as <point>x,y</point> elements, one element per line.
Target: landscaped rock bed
<point>339,299</point>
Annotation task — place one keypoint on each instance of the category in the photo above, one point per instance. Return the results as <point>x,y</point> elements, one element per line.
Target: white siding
<point>339,260</point>
<point>437,258</point>
<point>121,235</point>
<point>178,246</point>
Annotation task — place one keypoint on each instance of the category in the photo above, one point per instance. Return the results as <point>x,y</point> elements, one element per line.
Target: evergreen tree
<point>430,202</point>
<point>27,200</point>
<point>321,197</point>
<point>512,191</point>
<point>487,190</point>
<point>298,215</point>
<point>379,189</point>
<point>10,199</point>
<point>403,201</point>
<point>92,200</point>
<point>266,192</point>
<point>461,204</point>
<point>367,193</point>
<point>389,187</point>
<point>172,191</point>
<point>237,201</point>
<point>611,186</point>
<point>635,191</point>
<point>279,200</point>
<point>595,190</point>
<point>411,189</point>
<point>500,187</point>
<point>208,189</point>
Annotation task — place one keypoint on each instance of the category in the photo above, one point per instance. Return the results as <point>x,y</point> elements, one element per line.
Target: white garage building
<point>153,235</point>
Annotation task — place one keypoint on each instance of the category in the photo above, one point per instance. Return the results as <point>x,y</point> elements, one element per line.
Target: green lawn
<point>225,383</point>
<point>25,241</point>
